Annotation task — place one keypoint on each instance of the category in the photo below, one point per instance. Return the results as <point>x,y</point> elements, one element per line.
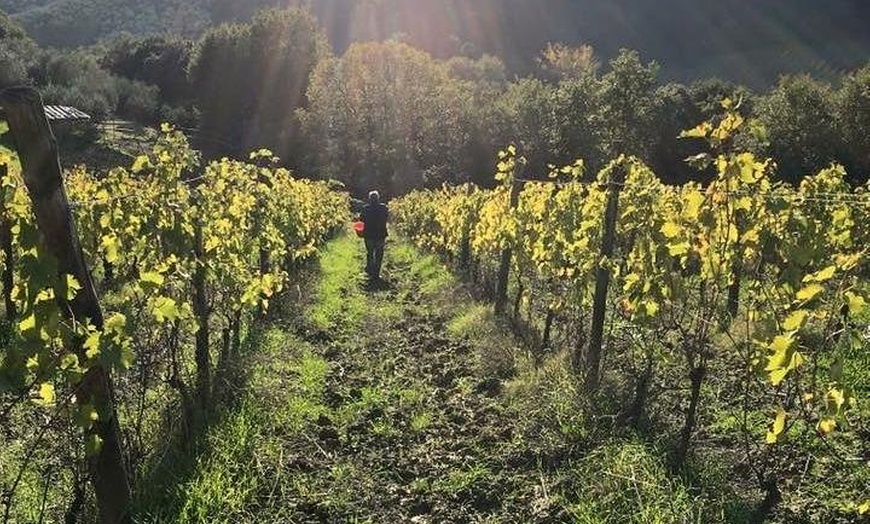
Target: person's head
<point>374,197</point>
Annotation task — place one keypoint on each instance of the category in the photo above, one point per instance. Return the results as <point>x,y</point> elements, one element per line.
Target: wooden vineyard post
<point>602,283</point>
<point>37,151</point>
<point>734,287</point>
<point>506,255</point>
<point>465,244</point>
<point>201,309</point>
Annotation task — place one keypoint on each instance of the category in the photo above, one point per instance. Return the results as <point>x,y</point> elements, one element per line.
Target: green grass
<point>628,483</point>
<point>339,307</point>
<point>222,477</point>
<point>384,413</point>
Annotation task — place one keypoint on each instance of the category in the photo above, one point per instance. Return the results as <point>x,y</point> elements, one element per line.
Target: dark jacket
<point>375,218</point>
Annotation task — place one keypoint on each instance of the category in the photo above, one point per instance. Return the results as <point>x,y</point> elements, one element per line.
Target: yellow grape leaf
<point>797,360</point>
<point>151,279</point>
<point>827,425</point>
<point>847,262</point>
<point>699,132</point>
<point>777,376</point>
<point>211,243</point>
<point>837,397</point>
<point>28,324</point>
<point>810,292</point>
<point>671,229</point>
<point>747,168</point>
<point>678,248</point>
<point>692,207</point>
<point>796,320</point>
<point>864,508</point>
<point>652,308</point>
<point>743,203</point>
<point>46,394</point>
<point>822,276</point>
<point>92,345</point>
<point>110,247</point>
<point>140,163</point>
<point>751,237</point>
<point>71,286</point>
<point>115,323</point>
<point>775,433</point>
<point>780,347</point>
<point>733,234</point>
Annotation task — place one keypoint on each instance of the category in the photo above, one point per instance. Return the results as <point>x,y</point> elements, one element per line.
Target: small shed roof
<point>65,113</point>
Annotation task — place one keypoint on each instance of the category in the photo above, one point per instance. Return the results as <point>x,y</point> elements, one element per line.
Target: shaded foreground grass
<point>407,402</point>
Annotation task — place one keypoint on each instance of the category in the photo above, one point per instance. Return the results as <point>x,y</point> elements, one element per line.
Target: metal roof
<point>65,113</point>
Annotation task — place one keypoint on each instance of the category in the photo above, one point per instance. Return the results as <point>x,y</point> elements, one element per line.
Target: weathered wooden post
<point>602,284</point>
<point>37,151</point>
<point>201,310</point>
<point>506,255</point>
<point>465,243</point>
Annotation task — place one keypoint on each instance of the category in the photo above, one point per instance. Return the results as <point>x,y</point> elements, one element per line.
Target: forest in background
<point>747,42</point>
<point>392,115</point>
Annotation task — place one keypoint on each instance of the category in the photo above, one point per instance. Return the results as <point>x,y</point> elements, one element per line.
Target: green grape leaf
<point>151,280</point>
<point>93,444</point>
<point>856,303</point>
<point>115,324</point>
<point>165,309</point>
<point>85,416</point>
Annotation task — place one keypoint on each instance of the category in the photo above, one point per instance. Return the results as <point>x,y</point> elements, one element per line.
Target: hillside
<point>70,23</point>
<point>743,41</point>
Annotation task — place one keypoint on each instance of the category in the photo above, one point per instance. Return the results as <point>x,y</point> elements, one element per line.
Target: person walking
<point>374,216</point>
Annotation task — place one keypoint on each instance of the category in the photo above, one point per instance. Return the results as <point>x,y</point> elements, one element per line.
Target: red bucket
<point>359,228</point>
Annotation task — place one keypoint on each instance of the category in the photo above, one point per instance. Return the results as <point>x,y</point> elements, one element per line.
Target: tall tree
<point>799,115</point>
<point>387,115</point>
<point>17,52</point>
<point>158,60</point>
<point>249,79</point>
<point>853,102</point>
<point>628,105</point>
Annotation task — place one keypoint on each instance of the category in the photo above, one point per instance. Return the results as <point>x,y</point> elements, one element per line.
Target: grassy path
<point>396,404</point>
